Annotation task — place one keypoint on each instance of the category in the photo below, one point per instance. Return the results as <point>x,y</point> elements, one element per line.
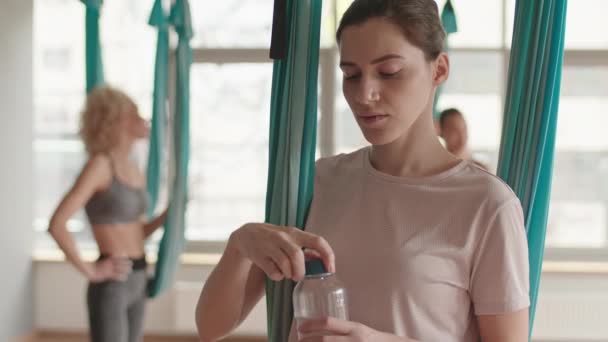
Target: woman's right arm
<point>95,175</point>
<point>237,283</point>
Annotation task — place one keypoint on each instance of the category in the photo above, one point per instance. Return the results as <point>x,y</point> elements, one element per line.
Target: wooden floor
<point>76,337</point>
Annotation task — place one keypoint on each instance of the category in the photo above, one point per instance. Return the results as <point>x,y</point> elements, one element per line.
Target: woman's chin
<point>377,137</point>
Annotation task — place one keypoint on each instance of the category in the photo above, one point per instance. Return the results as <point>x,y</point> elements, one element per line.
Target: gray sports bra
<point>119,203</point>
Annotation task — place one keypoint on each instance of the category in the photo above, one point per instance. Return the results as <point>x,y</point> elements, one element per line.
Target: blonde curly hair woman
<point>111,190</point>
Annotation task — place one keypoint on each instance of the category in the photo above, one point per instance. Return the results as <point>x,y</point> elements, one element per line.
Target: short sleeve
<point>500,269</point>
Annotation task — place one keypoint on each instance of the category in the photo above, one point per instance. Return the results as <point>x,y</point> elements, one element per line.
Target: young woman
<point>429,247</point>
<point>111,189</point>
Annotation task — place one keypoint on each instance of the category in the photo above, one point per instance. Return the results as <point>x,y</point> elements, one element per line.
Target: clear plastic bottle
<point>320,294</point>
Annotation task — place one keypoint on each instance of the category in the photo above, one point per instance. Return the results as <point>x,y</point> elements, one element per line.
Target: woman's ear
<point>441,69</point>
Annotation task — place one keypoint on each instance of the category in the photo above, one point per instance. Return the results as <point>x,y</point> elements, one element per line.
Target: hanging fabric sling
<point>172,242</point>
<point>173,238</point>
<point>530,119</point>
<point>94,65</point>
<point>159,20</point>
<point>293,121</point>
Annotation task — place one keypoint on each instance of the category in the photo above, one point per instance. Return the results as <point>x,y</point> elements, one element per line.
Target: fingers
<point>295,258</point>
<point>122,265</point>
<point>281,260</point>
<point>270,268</point>
<point>119,268</point>
<point>278,250</point>
<point>331,325</point>
<point>317,338</point>
<point>318,244</point>
<point>311,254</point>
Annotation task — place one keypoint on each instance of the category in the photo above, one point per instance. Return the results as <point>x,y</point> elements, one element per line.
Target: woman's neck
<point>121,151</point>
<point>416,154</point>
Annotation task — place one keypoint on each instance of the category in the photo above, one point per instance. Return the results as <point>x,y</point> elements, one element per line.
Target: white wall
<point>16,310</point>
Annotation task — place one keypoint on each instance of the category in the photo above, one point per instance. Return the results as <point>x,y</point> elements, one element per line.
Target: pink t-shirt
<point>421,257</point>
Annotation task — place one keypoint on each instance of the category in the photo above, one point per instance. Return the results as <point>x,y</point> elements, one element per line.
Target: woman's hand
<point>337,330</point>
<point>112,268</point>
<point>156,223</point>
<point>279,251</point>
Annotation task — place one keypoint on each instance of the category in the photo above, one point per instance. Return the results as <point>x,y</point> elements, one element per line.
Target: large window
<point>231,81</point>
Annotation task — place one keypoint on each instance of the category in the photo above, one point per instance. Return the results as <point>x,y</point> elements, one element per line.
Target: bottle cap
<point>315,267</point>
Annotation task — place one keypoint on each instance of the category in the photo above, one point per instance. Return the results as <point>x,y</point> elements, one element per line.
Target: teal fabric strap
<point>530,120</point>
<point>448,18</point>
<point>172,242</point>
<point>94,65</point>
<point>293,121</point>
<point>158,19</point>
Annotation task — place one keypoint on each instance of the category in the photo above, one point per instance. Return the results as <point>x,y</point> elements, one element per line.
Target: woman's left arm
<point>509,327</point>
<point>151,226</point>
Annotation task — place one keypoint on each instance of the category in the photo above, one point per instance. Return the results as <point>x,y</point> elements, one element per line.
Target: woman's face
<point>134,125</point>
<point>388,83</point>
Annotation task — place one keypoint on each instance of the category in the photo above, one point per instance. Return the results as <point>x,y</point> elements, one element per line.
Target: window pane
<point>479,23</point>
<point>474,87</point>
<point>584,22</point>
<point>57,163</point>
<point>232,23</point>
<point>474,73</point>
<point>129,49</point>
<point>580,188</point>
<point>474,30</point>
<point>128,46</point>
<point>58,66</point>
<point>244,23</point>
<point>577,224</point>
<point>230,123</point>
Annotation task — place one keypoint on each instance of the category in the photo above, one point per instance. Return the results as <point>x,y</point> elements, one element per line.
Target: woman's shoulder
<point>485,185</point>
<point>340,163</point>
<point>97,169</point>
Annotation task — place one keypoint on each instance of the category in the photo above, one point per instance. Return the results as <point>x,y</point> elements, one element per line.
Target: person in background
<point>112,191</point>
<point>453,130</point>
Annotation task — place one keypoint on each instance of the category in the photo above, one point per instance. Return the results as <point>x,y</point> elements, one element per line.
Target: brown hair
<point>418,19</point>
<point>443,117</point>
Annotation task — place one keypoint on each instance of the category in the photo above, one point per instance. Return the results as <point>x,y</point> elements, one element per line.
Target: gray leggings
<point>116,308</point>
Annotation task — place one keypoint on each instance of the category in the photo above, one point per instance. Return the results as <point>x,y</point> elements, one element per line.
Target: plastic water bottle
<point>320,294</point>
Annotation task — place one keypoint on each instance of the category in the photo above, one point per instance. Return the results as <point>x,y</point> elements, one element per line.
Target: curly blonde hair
<point>100,116</point>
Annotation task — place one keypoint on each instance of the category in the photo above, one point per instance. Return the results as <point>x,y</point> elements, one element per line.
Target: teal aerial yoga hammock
<point>172,242</point>
<point>173,238</point>
<point>529,126</point>
<point>94,65</point>
<point>293,124</point>
<point>159,20</point>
